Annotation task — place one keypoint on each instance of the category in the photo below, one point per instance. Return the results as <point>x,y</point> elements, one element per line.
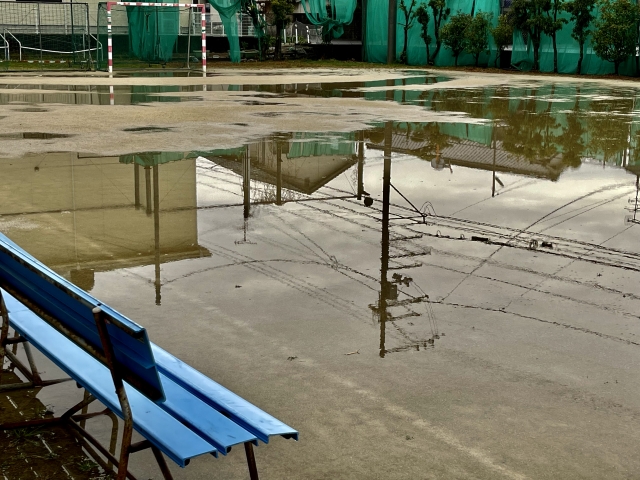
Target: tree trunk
<point>278,51</point>
<point>477,58</point>
<point>427,44</point>
<point>536,51</point>
<point>456,61</point>
<point>404,50</point>
<point>555,54</point>
<point>579,72</point>
<point>615,66</point>
<point>497,57</point>
<point>435,52</point>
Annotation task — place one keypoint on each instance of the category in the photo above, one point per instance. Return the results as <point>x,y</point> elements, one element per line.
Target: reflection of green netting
<point>377,28</point>
<point>568,53</point>
<point>333,23</point>
<point>309,145</point>
<point>153,32</point>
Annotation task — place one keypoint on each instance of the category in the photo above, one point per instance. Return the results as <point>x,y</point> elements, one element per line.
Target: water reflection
<point>95,214</point>
<point>101,213</point>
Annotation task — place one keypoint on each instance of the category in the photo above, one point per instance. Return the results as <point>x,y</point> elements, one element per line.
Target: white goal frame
<point>199,6</point>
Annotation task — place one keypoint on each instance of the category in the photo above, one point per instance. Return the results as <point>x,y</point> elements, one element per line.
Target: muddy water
<point>472,286</point>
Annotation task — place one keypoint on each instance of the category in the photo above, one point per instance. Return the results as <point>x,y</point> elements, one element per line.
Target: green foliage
<point>502,34</point>
<point>531,17</point>
<point>453,34</point>
<point>581,12</point>
<point>615,35</point>
<point>440,13</point>
<point>409,20</point>
<point>476,35</point>
<point>422,16</point>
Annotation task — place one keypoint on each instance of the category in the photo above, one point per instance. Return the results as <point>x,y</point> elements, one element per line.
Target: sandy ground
<point>535,378</point>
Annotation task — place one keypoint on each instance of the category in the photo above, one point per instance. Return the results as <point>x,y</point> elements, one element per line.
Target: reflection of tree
<point>471,102</point>
<point>607,133</point>
<point>571,138</point>
<point>531,134</point>
<point>434,140</point>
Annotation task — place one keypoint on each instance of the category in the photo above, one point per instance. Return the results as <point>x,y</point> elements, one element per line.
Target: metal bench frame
<point>71,416</point>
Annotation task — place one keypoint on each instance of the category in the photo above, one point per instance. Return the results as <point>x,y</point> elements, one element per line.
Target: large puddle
<point>499,249</point>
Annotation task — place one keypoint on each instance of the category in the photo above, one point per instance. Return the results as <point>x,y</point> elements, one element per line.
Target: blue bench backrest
<point>50,295</point>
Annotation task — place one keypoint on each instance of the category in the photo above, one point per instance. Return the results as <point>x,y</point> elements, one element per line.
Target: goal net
<point>42,32</point>
<point>142,34</point>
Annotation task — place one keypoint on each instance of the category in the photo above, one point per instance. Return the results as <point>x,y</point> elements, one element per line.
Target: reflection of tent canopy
<point>149,159</point>
<point>308,161</point>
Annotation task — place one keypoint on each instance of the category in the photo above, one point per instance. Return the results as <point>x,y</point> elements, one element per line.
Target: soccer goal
<point>43,32</point>
<point>137,33</point>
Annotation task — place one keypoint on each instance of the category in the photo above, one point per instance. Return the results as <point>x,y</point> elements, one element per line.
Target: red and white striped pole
<point>204,39</point>
<point>109,43</point>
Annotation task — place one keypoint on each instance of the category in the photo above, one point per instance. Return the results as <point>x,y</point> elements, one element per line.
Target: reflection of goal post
<point>200,7</point>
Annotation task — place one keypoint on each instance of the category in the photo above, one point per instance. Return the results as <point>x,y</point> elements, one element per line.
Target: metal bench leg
<point>251,461</point>
<point>4,330</point>
<point>127,433</point>
<point>162,463</point>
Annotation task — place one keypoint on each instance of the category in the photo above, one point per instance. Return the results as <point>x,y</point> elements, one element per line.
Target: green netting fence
<point>377,31</point>
<point>522,51</point>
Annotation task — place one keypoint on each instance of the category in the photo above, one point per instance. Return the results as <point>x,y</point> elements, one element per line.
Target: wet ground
<point>428,276</point>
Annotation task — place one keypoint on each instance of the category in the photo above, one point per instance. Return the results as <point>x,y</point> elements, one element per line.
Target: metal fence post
<point>39,26</point>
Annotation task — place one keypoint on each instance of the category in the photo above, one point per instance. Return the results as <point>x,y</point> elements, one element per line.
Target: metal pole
<point>73,39</point>
<point>89,36</point>
<point>189,40</point>
<point>136,186</point>
<point>391,34</point>
<point>364,31</point>
<point>39,20</point>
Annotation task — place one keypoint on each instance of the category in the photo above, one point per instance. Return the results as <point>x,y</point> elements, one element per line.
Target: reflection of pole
<point>246,182</point>
<point>279,173</point>
<point>156,230</point>
<point>360,163</point>
<point>384,257</point>
<point>493,186</point>
<point>136,186</point>
<point>147,184</point>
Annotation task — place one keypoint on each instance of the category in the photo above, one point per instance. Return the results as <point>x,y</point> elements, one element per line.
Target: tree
<point>422,15</point>
<point>453,34</point>
<point>409,19</point>
<point>530,17</point>
<point>281,9</point>
<point>440,14</point>
<point>502,34</point>
<point>615,34</point>
<point>476,35</point>
<point>555,24</point>
<point>582,16</point>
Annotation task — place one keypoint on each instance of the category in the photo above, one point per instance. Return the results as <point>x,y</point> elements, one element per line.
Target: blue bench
<point>179,412</point>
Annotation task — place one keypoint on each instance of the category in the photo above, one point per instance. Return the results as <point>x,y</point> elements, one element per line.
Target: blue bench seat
<point>182,426</point>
